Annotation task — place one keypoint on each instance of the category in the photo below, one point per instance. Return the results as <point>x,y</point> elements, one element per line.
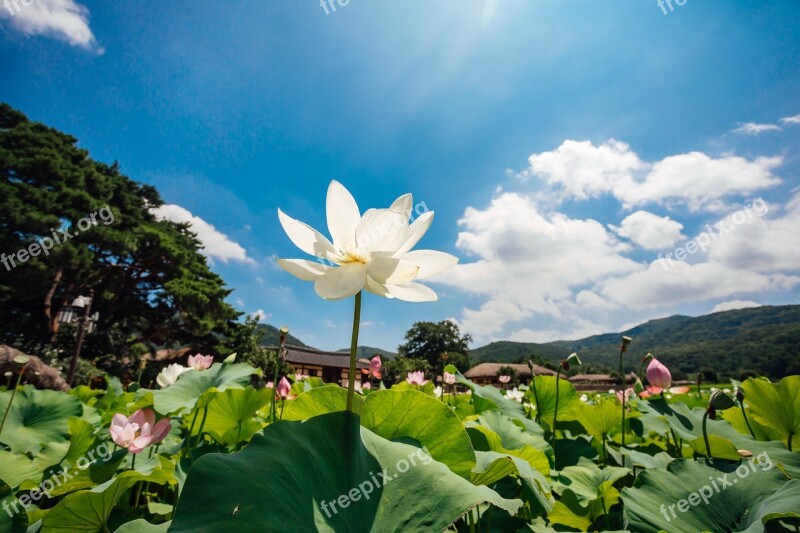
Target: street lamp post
<point>85,323</point>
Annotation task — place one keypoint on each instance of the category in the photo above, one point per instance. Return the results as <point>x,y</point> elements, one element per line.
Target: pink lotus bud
<point>416,378</point>
<point>200,362</point>
<point>449,379</point>
<point>658,375</point>
<point>504,379</point>
<point>367,385</point>
<point>284,387</point>
<point>375,366</point>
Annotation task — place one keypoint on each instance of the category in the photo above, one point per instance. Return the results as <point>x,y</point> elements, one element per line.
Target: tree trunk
<point>50,324</point>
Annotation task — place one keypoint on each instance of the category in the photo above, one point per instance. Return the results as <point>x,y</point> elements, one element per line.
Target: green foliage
<point>152,284</point>
<point>432,341</point>
<point>288,465</point>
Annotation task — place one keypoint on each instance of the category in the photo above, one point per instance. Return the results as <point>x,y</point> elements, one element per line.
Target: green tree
<point>152,285</point>
<point>433,341</point>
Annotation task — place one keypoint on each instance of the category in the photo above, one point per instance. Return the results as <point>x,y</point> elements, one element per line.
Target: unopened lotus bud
<point>720,401</point>
<point>530,365</point>
<point>573,359</point>
<point>638,387</point>
<point>739,394</point>
<point>230,359</point>
<point>647,358</point>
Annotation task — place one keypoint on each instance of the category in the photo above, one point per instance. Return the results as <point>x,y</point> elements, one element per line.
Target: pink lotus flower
<point>200,362</point>
<point>284,387</point>
<point>300,377</point>
<point>504,379</point>
<point>660,380</point>
<point>269,385</point>
<point>449,379</point>
<point>367,385</point>
<point>628,394</point>
<point>375,366</point>
<point>658,376</point>
<point>139,431</point>
<point>416,378</point>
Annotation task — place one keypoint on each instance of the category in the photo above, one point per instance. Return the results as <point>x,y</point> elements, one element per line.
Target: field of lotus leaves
<point>211,452</point>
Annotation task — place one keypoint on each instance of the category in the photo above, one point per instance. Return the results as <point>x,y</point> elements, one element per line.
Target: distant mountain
<point>368,352</point>
<point>516,352</point>
<point>272,337</point>
<point>764,339</point>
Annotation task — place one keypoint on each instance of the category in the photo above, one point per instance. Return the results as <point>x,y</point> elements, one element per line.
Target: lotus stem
<point>202,424</point>
<point>622,378</point>
<point>536,397</point>
<point>133,462</point>
<point>705,435</point>
<point>351,376</point>
<point>555,415</point>
<point>746,421</point>
<point>19,379</point>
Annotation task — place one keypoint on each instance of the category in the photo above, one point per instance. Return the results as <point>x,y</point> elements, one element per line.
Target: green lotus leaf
<point>36,418</point>
<point>326,474</point>
<point>14,469</point>
<point>485,440</point>
<point>487,398</point>
<point>183,394</point>
<point>599,419</point>
<point>230,417</point>
<point>89,510</point>
<point>319,401</point>
<point>514,433</point>
<point>491,467</point>
<point>687,424</point>
<point>142,526</point>
<point>587,493</point>
<point>693,496</point>
<point>397,415</point>
<point>569,404</point>
<point>777,406</point>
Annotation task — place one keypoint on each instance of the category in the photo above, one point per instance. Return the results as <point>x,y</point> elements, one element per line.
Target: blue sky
<point>563,145</point>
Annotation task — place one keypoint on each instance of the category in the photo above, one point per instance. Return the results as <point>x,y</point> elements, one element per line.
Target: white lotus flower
<point>515,394</point>
<point>371,252</point>
<point>169,374</point>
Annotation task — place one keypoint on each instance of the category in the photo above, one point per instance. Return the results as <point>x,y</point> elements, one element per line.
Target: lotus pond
<point>211,452</point>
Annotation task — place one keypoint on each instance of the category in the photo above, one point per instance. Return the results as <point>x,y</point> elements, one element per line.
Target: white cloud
<point>216,245</point>
<point>734,304</point>
<point>581,170</point>
<point>760,243</point>
<point>585,170</point>
<point>791,120</point>
<point>529,263</point>
<point>261,316</point>
<point>592,300</point>
<point>650,231</point>
<point>664,284</point>
<point>63,19</point>
<point>579,329</point>
<point>753,128</point>
<point>701,181</point>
